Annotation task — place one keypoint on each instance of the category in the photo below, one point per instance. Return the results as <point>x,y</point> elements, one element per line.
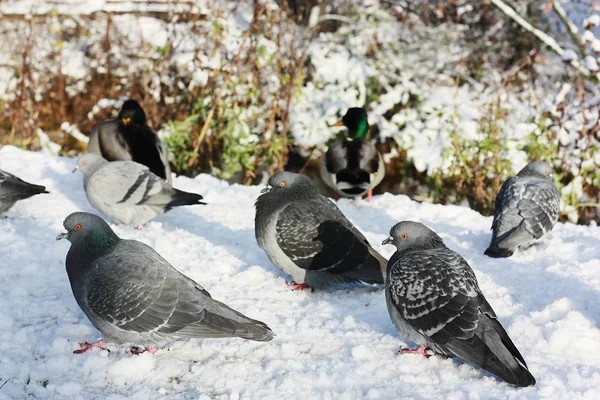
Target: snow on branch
<point>567,55</point>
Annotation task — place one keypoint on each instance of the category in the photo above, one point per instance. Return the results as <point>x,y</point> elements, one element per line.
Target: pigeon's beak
<point>266,189</point>
<point>339,123</point>
<point>388,240</point>
<point>75,169</point>
<point>64,235</point>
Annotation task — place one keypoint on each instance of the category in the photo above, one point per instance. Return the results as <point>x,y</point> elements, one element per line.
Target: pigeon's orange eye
<point>282,184</point>
<point>78,227</point>
<point>404,236</point>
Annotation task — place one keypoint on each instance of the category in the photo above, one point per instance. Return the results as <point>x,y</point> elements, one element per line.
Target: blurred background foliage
<point>460,94</point>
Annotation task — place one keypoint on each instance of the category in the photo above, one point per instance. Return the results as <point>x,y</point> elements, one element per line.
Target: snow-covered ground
<point>329,345</point>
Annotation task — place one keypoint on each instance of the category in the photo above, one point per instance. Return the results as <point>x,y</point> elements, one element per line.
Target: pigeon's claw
<point>422,350</point>
<point>299,286</point>
<point>85,346</point>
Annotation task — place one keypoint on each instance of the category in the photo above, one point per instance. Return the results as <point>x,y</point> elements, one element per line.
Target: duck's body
<point>352,166</point>
<point>129,138</point>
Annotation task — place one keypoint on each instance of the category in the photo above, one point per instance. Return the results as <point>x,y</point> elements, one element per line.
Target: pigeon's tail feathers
<point>214,325</point>
<point>498,252</point>
<point>383,262</point>
<point>372,271</point>
<point>491,349</point>
<point>181,198</point>
<point>21,189</point>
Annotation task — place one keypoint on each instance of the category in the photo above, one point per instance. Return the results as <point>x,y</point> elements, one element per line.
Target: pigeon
<point>352,166</point>
<point>127,191</point>
<point>13,189</point>
<point>309,238</point>
<point>134,296</point>
<point>129,138</point>
<point>527,207</point>
<point>434,300</point>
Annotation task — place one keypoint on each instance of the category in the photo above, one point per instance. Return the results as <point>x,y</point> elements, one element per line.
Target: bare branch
<point>571,28</point>
<point>548,40</point>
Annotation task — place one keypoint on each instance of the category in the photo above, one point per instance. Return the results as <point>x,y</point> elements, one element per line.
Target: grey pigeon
<point>129,138</point>
<point>128,192</point>
<point>13,189</point>
<point>352,166</point>
<point>434,300</point>
<point>527,207</point>
<point>309,238</point>
<point>133,295</point>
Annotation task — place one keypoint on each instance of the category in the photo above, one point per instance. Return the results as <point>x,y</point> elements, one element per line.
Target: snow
<point>330,344</point>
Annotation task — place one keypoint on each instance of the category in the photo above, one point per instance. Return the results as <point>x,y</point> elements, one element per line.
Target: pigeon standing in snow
<point>13,189</point>
<point>133,295</point>
<point>309,238</point>
<point>434,300</point>
<point>127,191</point>
<point>129,138</point>
<point>527,207</point>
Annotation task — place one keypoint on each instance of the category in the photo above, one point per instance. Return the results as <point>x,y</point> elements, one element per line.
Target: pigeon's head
<point>88,163</point>
<point>86,227</point>
<point>132,113</point>
<point>409,235</point>
<point>537,168</point>
<point>356,121</point>
<point>288,184</point>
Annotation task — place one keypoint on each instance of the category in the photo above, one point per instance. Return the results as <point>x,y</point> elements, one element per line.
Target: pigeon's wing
<point>316,236</point>
<point>13,188</point>
<point>506,192</point>
<point>436,293</point>
<point>127,182</point>
<point>539,207</point>
<point>533,203</point>
<point>135,289</point>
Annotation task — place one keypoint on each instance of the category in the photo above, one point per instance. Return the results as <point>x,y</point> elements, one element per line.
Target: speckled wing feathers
<point>436,297</point>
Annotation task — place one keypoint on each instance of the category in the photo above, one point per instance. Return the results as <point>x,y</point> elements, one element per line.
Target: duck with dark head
<point>352,166</point>
<point>129,138</point>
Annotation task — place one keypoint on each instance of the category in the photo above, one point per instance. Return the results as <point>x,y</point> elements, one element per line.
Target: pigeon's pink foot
<point>85,346</point>
<point>336,196</point>
<point>298,286</point>
<point>140,227</point>
<point>370,195</point>
<point>139,350</point>
<point>422,350</point>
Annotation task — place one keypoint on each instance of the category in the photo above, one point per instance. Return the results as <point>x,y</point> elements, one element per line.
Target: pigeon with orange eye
<point>129,192</point>
<point>434,300</point>
<point>309,238</point>
<point>134,296</point>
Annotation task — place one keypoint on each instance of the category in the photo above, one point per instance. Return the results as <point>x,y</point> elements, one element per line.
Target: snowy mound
<point>329,345</point>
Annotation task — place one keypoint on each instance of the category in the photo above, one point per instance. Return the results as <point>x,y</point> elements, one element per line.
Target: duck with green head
<point>352,166</point>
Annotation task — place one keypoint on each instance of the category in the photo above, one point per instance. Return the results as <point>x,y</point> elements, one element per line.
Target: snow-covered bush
<point>460,94</point>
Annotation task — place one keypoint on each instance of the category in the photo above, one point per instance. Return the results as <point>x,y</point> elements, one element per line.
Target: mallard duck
<point>13,189</point>
<point>352,166</point>
<point>129,138</point>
